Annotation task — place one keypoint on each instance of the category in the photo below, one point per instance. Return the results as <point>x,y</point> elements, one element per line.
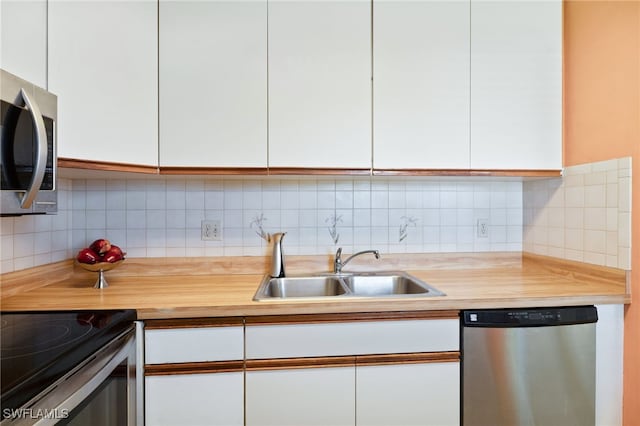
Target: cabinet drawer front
<point>193,345</point>
<point>357,338</point>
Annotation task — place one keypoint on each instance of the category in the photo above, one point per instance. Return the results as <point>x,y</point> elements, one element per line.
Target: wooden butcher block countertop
<point>225,286</point>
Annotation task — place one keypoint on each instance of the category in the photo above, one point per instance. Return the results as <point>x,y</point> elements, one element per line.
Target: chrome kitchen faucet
<point>338,263</point>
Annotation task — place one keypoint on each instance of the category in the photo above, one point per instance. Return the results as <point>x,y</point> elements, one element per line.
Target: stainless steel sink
<point>302,287</point>
<point>377,284</point>
<point>385,285</point>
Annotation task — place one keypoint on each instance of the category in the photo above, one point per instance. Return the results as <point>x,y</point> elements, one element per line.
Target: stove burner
<point>50,336</point>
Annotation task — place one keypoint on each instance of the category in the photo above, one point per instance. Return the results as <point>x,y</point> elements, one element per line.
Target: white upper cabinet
<point>421,84</point>
<point>213,83</point>
<point>23,39</point>
<point>516,84</point>
<point>103,67</point>
<point>320,84</point>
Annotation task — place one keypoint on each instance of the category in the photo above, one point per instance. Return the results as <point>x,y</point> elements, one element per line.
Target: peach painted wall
<point>602,121</point>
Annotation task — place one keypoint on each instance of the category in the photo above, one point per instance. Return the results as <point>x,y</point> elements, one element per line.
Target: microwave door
<point>24,165</point>
<point>39,153</point>
<point>14,160</point>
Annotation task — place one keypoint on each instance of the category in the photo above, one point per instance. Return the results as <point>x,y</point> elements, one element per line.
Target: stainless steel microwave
<point>28,141</point>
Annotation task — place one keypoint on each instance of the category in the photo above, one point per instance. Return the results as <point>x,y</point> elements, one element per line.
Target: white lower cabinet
<point>195,399</point>
<point>301,397</point>
<point>383,371</point>
<point>364,369</point>
<point>408,394</point>
<point>194,372</point>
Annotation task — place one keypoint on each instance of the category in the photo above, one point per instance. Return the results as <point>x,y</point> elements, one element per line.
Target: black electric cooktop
<point>37,348</point>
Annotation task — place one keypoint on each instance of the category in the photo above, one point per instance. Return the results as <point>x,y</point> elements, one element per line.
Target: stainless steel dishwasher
<point>529,366</point>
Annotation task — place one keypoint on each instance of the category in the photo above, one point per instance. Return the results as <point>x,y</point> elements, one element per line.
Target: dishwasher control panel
<point>529,317</point>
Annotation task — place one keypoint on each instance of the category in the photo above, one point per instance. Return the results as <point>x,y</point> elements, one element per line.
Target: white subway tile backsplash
<point>448,217</point>
<point>232,198</point>
<point>624,194</point>
<point>43,223</point>
<point>380,199</point>
<point>612,243</point>
<point>448,199</point>
<point>344,200</point>
<point>498,200</point>
<point>413,199</point>
<point>595,241</point>
<point>96,200</point>
<point>596,177</point>
<point>595,218</point>
<point>482,200</point>
<point>594,214</point>
<point>574,196</point>
<point>624,229</point>
<point>624,258</point>
<point>214,200</point>
<point>116,200</point>
<point>271,200</point>
<point>498,216</point>
<point>116,219</point>
<point>136,200</point>
<point>24,225</point>
<point>595,196</point>
<point>6,226</point>
<point>326,200</point>
<point>23,263</point>
<point>574,218</point>
<point>595,258</point>
<point>380,217</point>
<point>162,216</point>
<point>6,247</point>
<point>24,246</point>
<point>42,244</point>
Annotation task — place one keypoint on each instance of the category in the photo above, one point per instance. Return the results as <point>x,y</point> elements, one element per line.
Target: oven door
<point>99,392</point>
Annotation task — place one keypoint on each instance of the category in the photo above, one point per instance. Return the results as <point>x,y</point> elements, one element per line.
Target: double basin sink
<point>375,284</point>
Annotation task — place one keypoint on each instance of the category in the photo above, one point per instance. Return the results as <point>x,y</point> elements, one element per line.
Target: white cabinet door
<point>421,84</point>
<point>195,399</point>
<point>213,83</point>
<point>23,39</point>
<point>103,67</point>
<point>516,84</point>
<point>409,394</point>
<point>301,397</point>
<point>320,84</point>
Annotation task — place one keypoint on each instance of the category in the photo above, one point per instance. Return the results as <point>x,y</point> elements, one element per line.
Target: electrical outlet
<point>211,230</point>
<point>483,228</point>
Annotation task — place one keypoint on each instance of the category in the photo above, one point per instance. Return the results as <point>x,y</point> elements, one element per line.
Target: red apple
<point>86,255</point>
<point>114,254</point>
<point>100,246</point>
